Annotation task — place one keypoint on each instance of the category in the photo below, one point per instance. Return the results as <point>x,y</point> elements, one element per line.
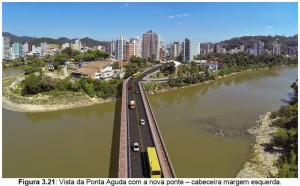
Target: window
<point>155,173</point>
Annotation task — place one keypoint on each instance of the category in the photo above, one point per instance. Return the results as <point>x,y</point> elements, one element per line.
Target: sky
<point>198,21</point>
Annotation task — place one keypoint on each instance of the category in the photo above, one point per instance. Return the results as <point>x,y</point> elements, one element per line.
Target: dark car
<point>129,88</point>
<point>137,91</point>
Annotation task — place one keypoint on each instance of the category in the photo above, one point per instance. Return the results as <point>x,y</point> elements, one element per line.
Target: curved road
<point>138,161</point>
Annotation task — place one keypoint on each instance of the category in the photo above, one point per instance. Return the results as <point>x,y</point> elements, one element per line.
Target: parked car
<point>137,91</point>
<point>136,147</point>
<point>142,122</point>
<point>129,88</point>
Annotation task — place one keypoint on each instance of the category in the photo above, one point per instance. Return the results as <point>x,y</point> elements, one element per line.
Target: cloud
<point>184,15</point>
<point>179,15</point>
<point>268,27</point>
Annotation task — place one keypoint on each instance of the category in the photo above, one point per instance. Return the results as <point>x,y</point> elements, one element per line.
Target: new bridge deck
<point>135,164</point>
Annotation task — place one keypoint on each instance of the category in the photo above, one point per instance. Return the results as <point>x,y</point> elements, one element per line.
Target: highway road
<point>138,161</point>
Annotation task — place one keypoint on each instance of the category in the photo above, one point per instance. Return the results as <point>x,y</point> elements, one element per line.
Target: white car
<point>136,147</point>
<point>142,122</point>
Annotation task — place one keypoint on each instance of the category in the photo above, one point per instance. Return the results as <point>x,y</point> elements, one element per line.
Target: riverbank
<point>164,89</point>
<point>16,107</point>
<point>45,103</point>
<point>263,162</point>
<point>13,101</point>
<point>168,88</point>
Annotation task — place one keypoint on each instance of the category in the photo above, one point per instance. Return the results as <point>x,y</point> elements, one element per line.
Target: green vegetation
<point>58,59</point>
<point>115,66</point>
<point>287,136</point>
<point>192,73</point>
<point>268,40</point>
<point>155,86</point>
<point>135,64</point>
<point>90,55</point>
<point>34,84</point>
<point>243,61</point>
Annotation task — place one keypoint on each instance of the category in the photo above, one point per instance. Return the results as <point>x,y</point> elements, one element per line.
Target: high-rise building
<point>120,49</point>
<point>191,50</point>
<point>218,48</point>
<point>6,48</point>
<point>258,48</point>
<point>292,50</point>
<point>137,46</point>
<point>146,46</point>
<point>110,48</point>
<point>66,45</point>
<point>17,50</point>
<point>78,44</point>
<point>73,46</point>
<point>276,49</point>
<point>44,48</point>
<point>26,47</point>
<point>206,48</point>
<point>130,50</point>
<point>151,46</point>
<point>176,49</point>
<point>156,45</point>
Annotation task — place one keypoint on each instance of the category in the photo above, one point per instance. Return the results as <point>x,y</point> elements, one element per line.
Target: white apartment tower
<point>137,42</point>
<point>78,45</point>
<point>191,49</point>
<point>176,49</point>
<point>66,45</point>
<point>6,48</point>
<point>120,48</point>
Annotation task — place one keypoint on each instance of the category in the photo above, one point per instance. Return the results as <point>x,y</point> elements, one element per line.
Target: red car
<point>129,88</point>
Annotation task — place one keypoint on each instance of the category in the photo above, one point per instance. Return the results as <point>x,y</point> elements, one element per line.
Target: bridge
<point>135,164</point>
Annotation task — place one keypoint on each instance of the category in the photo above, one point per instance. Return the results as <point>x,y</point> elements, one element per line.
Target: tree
<point>70,52</point>
<point>130,69</point>
<point>115,65</point>
<point>31,85</point>
<point>180,74</point>
<point>141,62</point>
<point>59,59</point>
<point>29,69</point>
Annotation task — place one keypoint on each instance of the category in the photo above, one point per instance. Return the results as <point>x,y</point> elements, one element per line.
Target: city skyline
<point>172,21</point>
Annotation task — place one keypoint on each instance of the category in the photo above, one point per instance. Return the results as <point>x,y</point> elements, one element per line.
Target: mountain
<point>37,41</point>
<point>14,38</point>
<point>248,41</point>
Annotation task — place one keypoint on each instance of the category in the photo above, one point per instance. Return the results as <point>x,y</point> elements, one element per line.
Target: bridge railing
<point>162,152</point>
<point>123,148</point>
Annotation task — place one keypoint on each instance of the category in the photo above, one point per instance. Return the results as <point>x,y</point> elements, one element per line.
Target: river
<point>79,142</point>
<point>12,71</point>
<point>189,118</point>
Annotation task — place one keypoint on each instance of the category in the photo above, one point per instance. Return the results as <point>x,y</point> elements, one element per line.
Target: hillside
<point>268,40</point>
<point>37,41</point>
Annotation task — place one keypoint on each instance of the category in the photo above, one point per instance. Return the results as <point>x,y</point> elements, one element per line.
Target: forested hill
<point>37,41</point>
<point>248,41</point>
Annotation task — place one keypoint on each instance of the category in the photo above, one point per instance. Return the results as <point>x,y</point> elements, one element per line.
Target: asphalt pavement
<point>141,134</point>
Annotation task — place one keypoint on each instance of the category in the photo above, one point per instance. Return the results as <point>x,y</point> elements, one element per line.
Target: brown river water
<point>83,142</point>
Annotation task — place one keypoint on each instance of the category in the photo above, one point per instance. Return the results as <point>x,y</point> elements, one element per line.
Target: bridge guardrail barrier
<point>123,154</point>
<point>163,155</point>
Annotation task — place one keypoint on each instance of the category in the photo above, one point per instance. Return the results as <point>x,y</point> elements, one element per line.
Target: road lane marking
<point>138,120</point>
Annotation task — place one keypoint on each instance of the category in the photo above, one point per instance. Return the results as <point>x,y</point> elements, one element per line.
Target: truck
<point>132,104</point>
